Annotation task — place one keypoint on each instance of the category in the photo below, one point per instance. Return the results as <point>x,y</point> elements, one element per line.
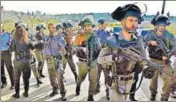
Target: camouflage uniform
<point>87,50</point>
<point>122,67</point>
<point>156,56</point>
<point>102,35</point>
<point>53,52</point>
<point>39,48</point>
<point>69,56</point>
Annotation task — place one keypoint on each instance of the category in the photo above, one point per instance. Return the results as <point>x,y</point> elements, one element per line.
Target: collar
<point>122,38</point>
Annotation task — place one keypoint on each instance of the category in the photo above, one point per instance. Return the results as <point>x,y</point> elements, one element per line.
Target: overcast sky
<point>60,7</point>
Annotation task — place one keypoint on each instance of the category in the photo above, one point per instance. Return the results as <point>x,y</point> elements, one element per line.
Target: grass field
<point>9,25</point>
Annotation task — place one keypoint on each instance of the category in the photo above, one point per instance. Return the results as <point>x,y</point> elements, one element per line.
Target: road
<point>42,92</point>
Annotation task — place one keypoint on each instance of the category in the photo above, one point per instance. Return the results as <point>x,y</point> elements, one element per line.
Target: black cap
<point>67,25</point>
<point>101,21</point>
<point>127,10</point>
<point>160,19</point>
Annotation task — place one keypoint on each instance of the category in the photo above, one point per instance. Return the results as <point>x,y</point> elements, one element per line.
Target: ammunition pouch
<point>22,54</point>
<point>39,46</point>
<point>125,67</point>
<point>148,73</point>
<point>155,52</point>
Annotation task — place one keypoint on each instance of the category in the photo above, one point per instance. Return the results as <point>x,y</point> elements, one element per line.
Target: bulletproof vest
<point>22,50</point>
<point>121,68</point>
<point>155,51</point>
<point>93,48</point>
<point>40,43</point>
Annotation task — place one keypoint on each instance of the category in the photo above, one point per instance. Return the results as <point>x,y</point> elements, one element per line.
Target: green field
<point>9,24</point>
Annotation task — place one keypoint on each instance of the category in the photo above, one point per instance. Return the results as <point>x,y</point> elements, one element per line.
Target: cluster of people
<point>97,50</point>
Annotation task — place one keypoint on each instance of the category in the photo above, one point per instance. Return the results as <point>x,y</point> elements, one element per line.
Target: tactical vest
<point>92,46</point>
<point>40,42</point>
<point>121,68</point>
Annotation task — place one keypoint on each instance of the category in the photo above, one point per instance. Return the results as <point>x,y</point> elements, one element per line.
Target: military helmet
<point>127,10</point>
<point>40,26</point>
<point>160,19</point>
<point>67,25</point>
<point>87,21</point>
<point>58,26</point>
<point>20,23</point>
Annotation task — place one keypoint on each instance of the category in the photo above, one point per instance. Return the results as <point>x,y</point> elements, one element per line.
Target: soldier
<point>21,45</point>
<point>102,35</point>
<point>87,51</point>
<point>69,56</point>
<point>161,45</point>
<point>6,59</point>
<point>122,66</point>
<point>38,50</point>
<point>54,49</point>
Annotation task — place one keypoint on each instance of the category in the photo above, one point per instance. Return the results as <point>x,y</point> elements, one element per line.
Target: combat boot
<point>25,94</point>
<point>38,81</point>
<point>153,97</point>
<point>164,99</point>
<point>16,95</point>
<point>55,92</point>
<point>17,91</point>
<point>90,98</point>
<point>107,94</point>
<point>63,95</point>
<point>77,90</point>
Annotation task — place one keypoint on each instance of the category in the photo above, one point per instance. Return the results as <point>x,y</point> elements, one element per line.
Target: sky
<point>62,7</point>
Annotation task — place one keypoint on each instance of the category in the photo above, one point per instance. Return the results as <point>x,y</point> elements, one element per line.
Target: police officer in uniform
<point>87,51</point>
<point>69,56</point>
<point>122,73</point>
<point>102,35</point>
<point>21,45</point>
<point>54,49</point>
<point>6,59</point>
<point>155,39</point>
<point>39,47</point>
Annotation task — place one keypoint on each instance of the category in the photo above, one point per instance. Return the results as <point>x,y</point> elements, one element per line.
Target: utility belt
<point>54,57</point>
<point>120,78</point>
<point>22,55</point>
<point>83,60</point>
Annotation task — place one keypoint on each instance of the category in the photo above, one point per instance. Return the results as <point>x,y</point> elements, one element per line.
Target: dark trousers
<point>7,61</point>
<point>19,68</point>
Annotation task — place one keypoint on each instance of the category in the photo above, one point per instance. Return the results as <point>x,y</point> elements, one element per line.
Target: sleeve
<point>62,43</point>
<point>148,37</point>
<point>12,46</point>
<point>173,44</point>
